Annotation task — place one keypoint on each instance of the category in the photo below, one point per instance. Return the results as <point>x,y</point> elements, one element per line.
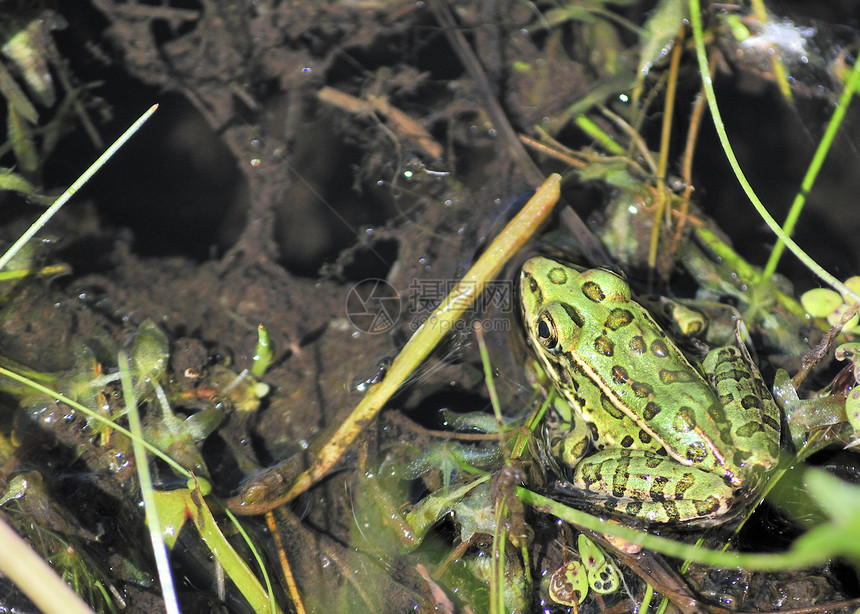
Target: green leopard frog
<point>652,436</point>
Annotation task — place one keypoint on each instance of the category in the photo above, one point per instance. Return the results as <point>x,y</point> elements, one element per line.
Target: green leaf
<point>430,509</point>
<point>16,97</point>
<point>558,16</point>
<point>602,575</point>
<point>660,32</point>
<point>820,302</point>
<point>840,500</point>
<point>852,408</point>
<point>27,50</point>
<point>569,584</point>
<point>14,182</point>
<point>175,507</point>
<point>173,511</point>
<point>263,353</point>
<point>22,141</point>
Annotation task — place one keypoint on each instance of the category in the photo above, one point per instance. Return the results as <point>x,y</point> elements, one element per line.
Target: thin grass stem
<point>815,166</point>
<point>707,82</point>
<point>72,189</point>
<point>159,548</point>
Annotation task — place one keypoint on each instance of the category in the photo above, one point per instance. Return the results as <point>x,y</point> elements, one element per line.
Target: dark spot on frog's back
<point>557,275</point>
<point>751,401</point>
<point>749,429</point>
<point>671,509</point>
<point>652,462</point>
<point>684,484</point>
<point>659,348</point>
<point>590,474</point>
<point>637,345</point>
<point>634,508</point>
<point>619,375</point>
<point>685,420</point>
<point>707,506</point>
<point>732,375</point>
<point>658,487</point>
<point>651,410</point>
<point>717,412</point>
<point>696,452</point>
<point>574,315</point>
<point>593,292</point>
<point>675,377</point>
<point>618,318</point>
<point>641,390</point>
<point>740,457</point>
<point>609,408</point>
<point>603,345</point>
<point>771,422</point>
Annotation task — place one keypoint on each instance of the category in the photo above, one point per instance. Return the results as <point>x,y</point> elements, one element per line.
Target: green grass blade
<point>815,166</point>
<point>162,561</point>
<point>72,190</point>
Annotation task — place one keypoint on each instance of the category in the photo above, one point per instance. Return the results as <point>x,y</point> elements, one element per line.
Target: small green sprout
<point>263,353</point>
<point>150,352</point>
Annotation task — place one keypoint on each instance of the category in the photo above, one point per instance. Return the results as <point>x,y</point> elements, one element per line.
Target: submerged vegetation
<point>335,404</point>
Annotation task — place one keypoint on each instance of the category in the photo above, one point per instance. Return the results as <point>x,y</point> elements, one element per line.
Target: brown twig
<point>401,124</point>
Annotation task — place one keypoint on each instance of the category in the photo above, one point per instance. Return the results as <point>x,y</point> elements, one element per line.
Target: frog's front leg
<point>651,486</point>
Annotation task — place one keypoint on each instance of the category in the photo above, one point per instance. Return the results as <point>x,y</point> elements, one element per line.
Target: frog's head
<point>558,302</point>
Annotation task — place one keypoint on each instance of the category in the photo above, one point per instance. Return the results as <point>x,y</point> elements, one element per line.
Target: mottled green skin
<point>671,444</point>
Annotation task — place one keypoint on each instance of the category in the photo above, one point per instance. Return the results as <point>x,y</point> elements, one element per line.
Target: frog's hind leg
<point>651,486</point>
<point>743,393</point>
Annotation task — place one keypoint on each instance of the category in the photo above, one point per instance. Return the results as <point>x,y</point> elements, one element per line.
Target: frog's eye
<point>547,333</point>
<point>615,271</point>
